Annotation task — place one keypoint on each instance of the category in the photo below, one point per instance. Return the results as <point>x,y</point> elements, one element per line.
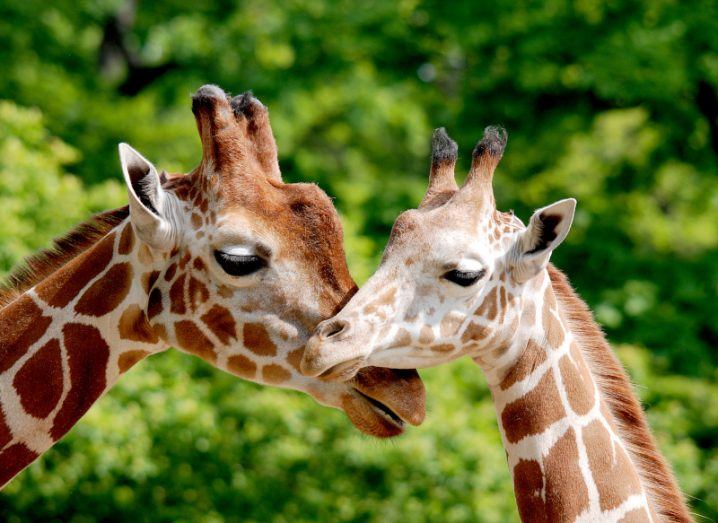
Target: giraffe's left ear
<point>547,229</point>
<point>149,203</point>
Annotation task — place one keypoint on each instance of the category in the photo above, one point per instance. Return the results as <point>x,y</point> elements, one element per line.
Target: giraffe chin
<point>384,400</point>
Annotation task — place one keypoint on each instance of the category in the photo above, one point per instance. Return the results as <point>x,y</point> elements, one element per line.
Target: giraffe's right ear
<point>149,204</point>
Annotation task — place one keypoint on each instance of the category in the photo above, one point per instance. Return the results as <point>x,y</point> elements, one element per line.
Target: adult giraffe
<point>460,278</point>
<point>226,262</point>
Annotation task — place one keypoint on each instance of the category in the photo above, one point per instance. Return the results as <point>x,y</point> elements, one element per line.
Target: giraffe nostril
<point>333,328</point>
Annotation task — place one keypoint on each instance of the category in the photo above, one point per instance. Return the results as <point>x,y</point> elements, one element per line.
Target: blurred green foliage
<point>611,102</point>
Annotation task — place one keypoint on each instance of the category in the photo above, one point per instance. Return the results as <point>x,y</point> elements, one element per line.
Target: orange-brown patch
<point>225,291</point>
<point>21,325</point>
<point>13,460</point>
<point>426,335</point>
<point>193,340</point>
<point>154,303</point>
<point>64,285</point>
<point>242,366</point>
<point>533,356</point>
<point>295,357</point>
<point>637,515</point>
<point>553,330</point>
<point>611,469</point>
<point>566,491</point>
<point>144,254</point>
<point>198,293</point>
<point>474,331</point>
<point>170,272</point>
<point>196,220</point>
<point>577,381</point>
<point>256,339</point>
<point>106,294</point>
<point>275,374</point>
<point>185,260</point>
<point>177,304</point>
<point>199,265</point>
<point>128,359</point>
<point>528,490</point>
<point>534,412</point>
<point>149,279</point>
<point>133,325</point>
<point>442,347</point>
<point>39,381</point>
<point>220,321</point>
<point>402,339</point>
<point>87,356</point>
<point>488,307</point>
<point>127,240</point>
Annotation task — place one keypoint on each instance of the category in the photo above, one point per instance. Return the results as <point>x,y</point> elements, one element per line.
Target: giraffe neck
<point>566,445</point>
<point>66,341</point>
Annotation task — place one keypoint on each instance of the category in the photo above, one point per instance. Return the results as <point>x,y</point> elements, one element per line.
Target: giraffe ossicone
<point>227,263</point>
<point>460,278</point>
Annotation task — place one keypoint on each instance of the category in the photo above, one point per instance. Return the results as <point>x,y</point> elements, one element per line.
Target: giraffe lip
<point>383,410</point>
<point>343,371</point>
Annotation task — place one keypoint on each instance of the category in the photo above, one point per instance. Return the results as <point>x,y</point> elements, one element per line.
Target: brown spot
<point>611,469</point>
<point>566,492</point>
<point>474,331</point>
<point>160,331</point>
<point>220,321</point>
<point>177,304</point>
<point>170,272</point>
<point>66,284</point>
<point>225,292</point>
<point>106,294</point>
<point>185,260</point>
<point>488,307</point>
<point>204,205</point>
<point>5,433</point>
<point>128,359</point>
<point>402,339</point>
<point>133,325</point>
<point>144,254</point>
<point>199,265</point>
<point>275,374</point>
<point>21,325</point>
<point>196,220</point>
<point>191,339</point>
<point>426,335</point>
<point>87,355</point>
<point>637,515</point>
<point>577,381</point>
<point>451,324</point>
<point>127,240</point>
<point>198,293</point>
<point>295,357</point>
<point>553,330</point>
<point>528,490</point>
<point>149,279</point>
<point>534,412</point>
<point>14,459</point>
<point>242,366</point>
<point>39,381</point>
<point>443,347</point>
<point>533,356</point>
<point>257,340</point>
<point>154,304</point>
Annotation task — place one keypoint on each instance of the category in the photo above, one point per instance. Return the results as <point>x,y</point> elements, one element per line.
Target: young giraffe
<point>226,262</point>
<point>460,278</point>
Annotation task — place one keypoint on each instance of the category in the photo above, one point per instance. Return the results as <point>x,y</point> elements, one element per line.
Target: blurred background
<point>612,102</point>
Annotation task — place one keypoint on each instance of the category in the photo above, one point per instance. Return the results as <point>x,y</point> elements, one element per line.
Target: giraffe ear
<point>148,201</point>
<point>547,229</point>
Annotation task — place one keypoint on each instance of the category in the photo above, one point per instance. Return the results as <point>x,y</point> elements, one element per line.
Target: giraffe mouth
<point>383,410</point>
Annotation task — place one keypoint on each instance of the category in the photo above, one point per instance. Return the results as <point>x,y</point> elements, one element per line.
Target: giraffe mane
<point>617,390</point>
<point>42,264</point>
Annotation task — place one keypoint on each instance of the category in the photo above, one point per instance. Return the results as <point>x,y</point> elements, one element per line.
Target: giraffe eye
<point>464,278</point>
<point>239,264</point>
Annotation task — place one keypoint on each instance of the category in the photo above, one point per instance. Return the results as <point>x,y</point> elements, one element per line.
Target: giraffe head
<point>241,267</point>
<point>453,278</point>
